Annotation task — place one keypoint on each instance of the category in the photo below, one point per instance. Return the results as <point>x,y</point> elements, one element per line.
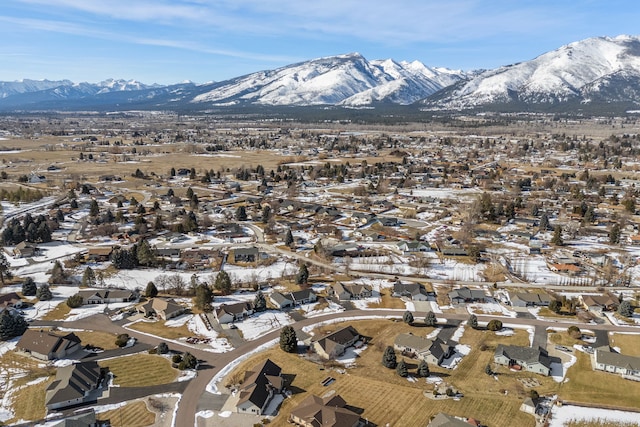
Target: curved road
<point>212,363</point>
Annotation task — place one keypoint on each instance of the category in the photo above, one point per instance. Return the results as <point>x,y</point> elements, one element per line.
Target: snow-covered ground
<point>260,324</point>
<point>561,415</point>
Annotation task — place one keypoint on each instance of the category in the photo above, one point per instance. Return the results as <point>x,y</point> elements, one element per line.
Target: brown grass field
<point>629,344</point>
<point>59,313</point>
<point>134,414</point>
<point>97,338</point>
<point>387,301</point>
<point>28,402</point>
<point>388,398</point>
<point>141,370</point>
<point>160,330</point>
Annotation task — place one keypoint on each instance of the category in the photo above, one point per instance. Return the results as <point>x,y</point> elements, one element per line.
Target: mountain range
<point>601,71</point>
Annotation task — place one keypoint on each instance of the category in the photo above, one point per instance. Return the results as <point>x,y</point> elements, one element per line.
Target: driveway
<point>540,337</point>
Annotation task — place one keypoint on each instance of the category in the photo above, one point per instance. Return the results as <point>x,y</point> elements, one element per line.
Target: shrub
<point>574,332</point>
<point>74,301</point>
<point>163,348</point>
<point>494,325</point>
<point>122,339</point>
<point>176,358</point>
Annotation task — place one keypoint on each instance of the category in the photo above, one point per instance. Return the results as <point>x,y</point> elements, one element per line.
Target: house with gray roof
<point>74,384</point>
<point>349,291</point>
<point>47,345</point>
<point>465,295</point>
<point>524,299</point>
<point>527,358</point>
<point>107,296</point>
<point>163,308</point>
<point>291,299</point>
<point>328,411</point>
<point>233,312</point>
<point>412,291</point>
<point>446,420</point>
<point>608,360</point>
<point>258,388</point>
<point>281,300</point>
<point>433,351</point>
<point>334,344</point>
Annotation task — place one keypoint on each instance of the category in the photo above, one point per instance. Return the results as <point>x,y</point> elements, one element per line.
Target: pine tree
<point>29,287</point>
<point>557,236</point>
<point>288,238</point>
<point>223,283</point>
<point>4,267</point>
<point>88,278</point>
<point>488,370</point>
<point>401,369</point>
<point>151,291</point>
<point>625,309</point>
<point>74,301</point>
<point>544,222</point>
<point>407,317</point>
<point>430,319</point>
<point>389,358</point>
<point>473,321</point>
<point>288,339</point>
<point>11,326</point>
<point>266,214</point>
<point>614,234</point>
<point>44,293</point>
<point>241,213</point>
<point>303,275</point>
<point>58,275</point>
<point>94,209</point>
<point>204,297</point>
<point>423,369</point>
<point>260,302</point>
<point>145,254</point>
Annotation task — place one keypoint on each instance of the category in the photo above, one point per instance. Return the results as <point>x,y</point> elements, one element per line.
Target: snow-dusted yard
<point>560,415</point>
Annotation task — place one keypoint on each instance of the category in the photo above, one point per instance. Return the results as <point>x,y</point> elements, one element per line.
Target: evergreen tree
<point>423,369</point>
<point>401,369</point>
<point>94,209</point>
<point>44,293</point>
<point>29,287</point>
<point>557,236</point>
<point>223,283</point>
<point>4,267</point>
<point>614,234</point>
<point>260,302</point>
<point>74,301</point>
<point>204,297</point>
<point>303,275</point>
<point>488,370</point>
<point>473,321</point>
<point>151,291</point>
<point>73,204</point>
<point>145,254</point>
<point>430,319</point>
<point>58,275</point>
<point>288,238</point>
<point>625,309</point>
<point>389,358</point>
<point>163,348</point>
<point>266,214</point>
<point>288,339</point>
<point>407,317</point>
<point>11,326</point>
<point>241,213</point>
<point>88,278</point>
<point>544,222</point>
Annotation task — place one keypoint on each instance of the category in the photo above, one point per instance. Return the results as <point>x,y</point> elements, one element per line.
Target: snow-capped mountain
<point>596,69</point>
<point>26,85</point>
<point>336,80</point>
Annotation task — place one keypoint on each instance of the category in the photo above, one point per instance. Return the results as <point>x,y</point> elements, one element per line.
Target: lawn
<point>392,399</point>
<point>104,340</point>
<point>141,370</point>
<point>158,329</point>
<point>629,344</point>
<point>387,301</point>
<point>28,402</point>
<point>59,313</point>
<point>134,414</point>
<point>587,385</point>
<point>563,338</point>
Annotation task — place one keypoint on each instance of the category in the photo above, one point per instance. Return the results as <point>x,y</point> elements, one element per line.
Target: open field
<point>141,370</point>
<point>28,402</point>
<point>587,385</point>
<point>629,344</point>
<point>59,313</point>
<point>104,340</point>
<point>134,414</point>
<point>159,329</point>
<point>387,301</point>
<point>390,398</point>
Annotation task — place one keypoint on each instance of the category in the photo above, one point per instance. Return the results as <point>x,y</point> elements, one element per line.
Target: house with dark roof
<point>329,411</point>
<point>245,254</point>
<point>466,295</point>
<point>433,351</point>
<point>412,291</point>
<point>75,384</point>
<point>525,299</point>
<point>281,300</point>
<point>46,345</point>
<point>85,418</point>
<point>258,388</point>
<point>107,296</point>
<point>233,312</point>
<point>446,420</point>
<point>160,307</point>
<point>291,299</point>
<point>335,343</point>
<point>25,249</point>
<point>99,253</point>
<point>599,303</point>
<point>349,291</point>
<point>527,358</point>
<point>10,300</point>
<point>610,361</point>
<point>414,246</point>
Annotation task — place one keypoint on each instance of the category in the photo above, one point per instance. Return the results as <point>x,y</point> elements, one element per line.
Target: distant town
<point>203,270</point>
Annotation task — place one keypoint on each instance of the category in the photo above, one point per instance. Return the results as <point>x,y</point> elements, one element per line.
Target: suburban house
<point>529,406</point>
<point>107,296</point>
<point>431,351</point>
<point>163,308</point>
<point>524,299</point>
<point>25,249</point>
<point>414,246</point>
<point>609,361</point>
<point>245,254</point>
<point>258,388</point>
<point>527,358</point>
<point>445,420</point>
<point>84,418</point>
<point>412,291</point>
<point>465,295</point>
<point>599,303</point>
<point>233,312</point>
<point>348,291</point>
<point>335,343</point>
<point>46,345</point>
<point>99,254</point>
<point>329,411</point>
<point>290,299</point>
<point>10,300</point>
<point>74,384</point>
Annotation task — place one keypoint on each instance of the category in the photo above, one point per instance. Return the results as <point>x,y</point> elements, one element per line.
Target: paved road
<point>213,363</point>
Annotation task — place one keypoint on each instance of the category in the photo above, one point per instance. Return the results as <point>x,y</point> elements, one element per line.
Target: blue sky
<point>168,41</point>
